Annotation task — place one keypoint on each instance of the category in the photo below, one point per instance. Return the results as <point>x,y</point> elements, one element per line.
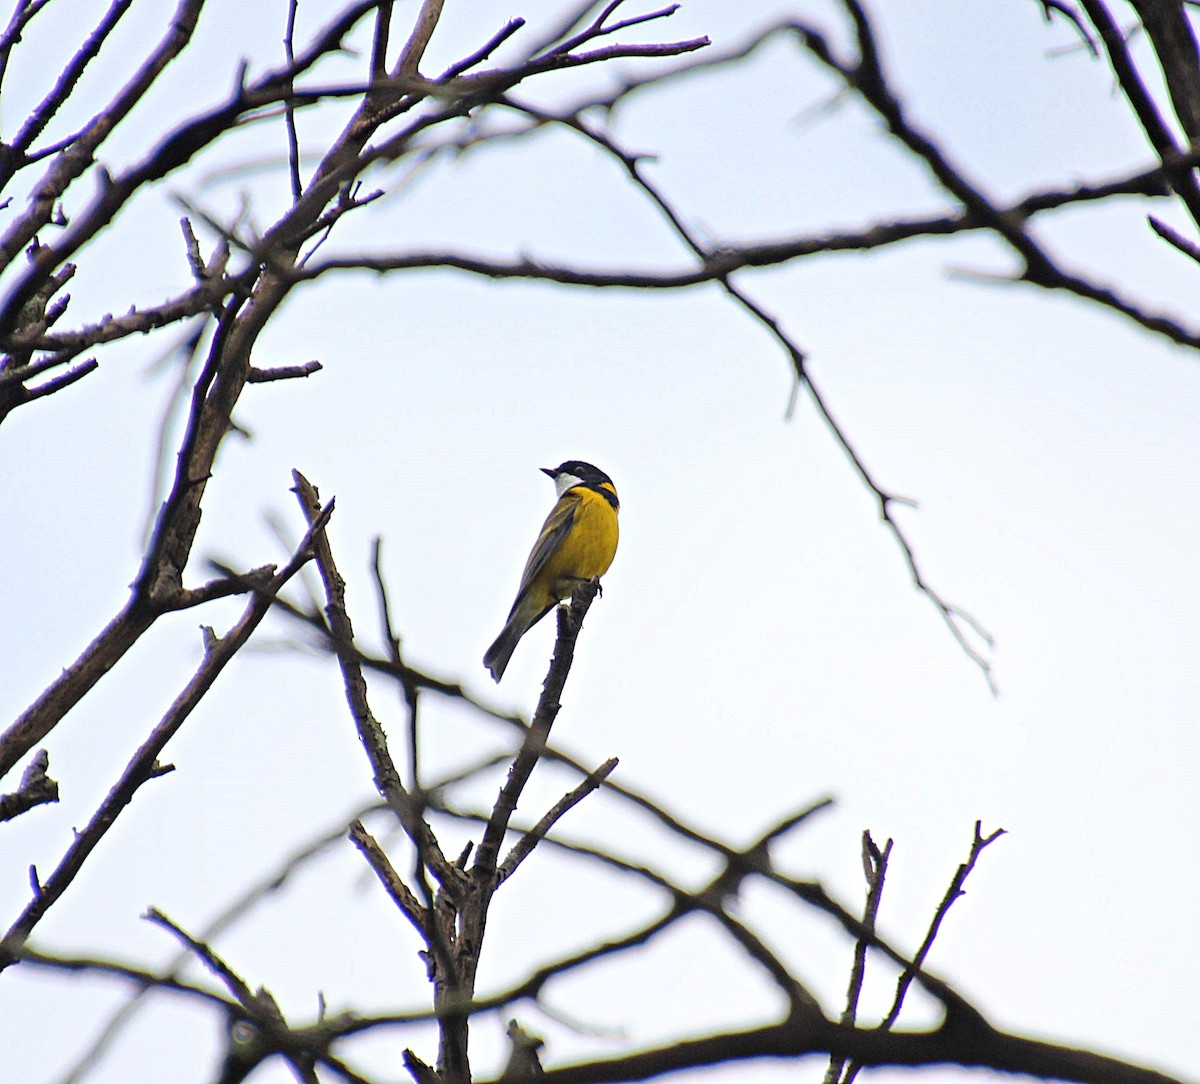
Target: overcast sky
<point>759,643</point>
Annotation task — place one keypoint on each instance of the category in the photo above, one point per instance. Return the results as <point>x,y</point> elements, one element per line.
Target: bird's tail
<point>496,657</point>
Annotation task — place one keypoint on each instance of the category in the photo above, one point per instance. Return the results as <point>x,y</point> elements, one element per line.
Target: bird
<point>577,543</point>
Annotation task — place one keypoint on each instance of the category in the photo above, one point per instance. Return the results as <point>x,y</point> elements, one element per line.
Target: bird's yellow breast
<point>589,547</point>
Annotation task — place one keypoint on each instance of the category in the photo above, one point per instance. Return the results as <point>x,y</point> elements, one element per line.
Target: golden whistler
<point>577,543</point>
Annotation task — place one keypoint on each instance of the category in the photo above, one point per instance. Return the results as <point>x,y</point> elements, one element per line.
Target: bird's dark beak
<point>547,470</point>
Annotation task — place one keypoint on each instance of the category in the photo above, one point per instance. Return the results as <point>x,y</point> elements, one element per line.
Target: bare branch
<point>297,1044</point>
<point>875,870</point>
<point>61,381</point>
<point>23,13</point>
<point>419,1070</point>
<point>36,788</point>
<point>710,900</point>
<point>72,165</point>
<point>32,725</point>
<point>484,51</point>
<point>141,978</point>
<point>955,890</point>
<point>257,580</point>
<point>260,1007</point>
<point>289,105</point>
<point>600,26</point>
<point>193,302</point>
<point>1170,32</point>
<point>987,1049</point>
<point>273,881</point>
<point>170,154</point>
<point>1052,7</point>
<point>1158,131</point>
<point>720,262</point>
<point>143,766</point>
<point>524,846</point>
<point>283,372</point>
<point>205,953</point>
<point>387,779</point>
<point>414,49</point>
<point>395,887</point>
<point>36,123</point>
<point>379,44</point>
<point>411,689</point>
<point>570,622</point>
<point>1173,237</point>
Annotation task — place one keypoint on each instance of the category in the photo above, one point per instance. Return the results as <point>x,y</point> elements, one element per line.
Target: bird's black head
<point>577,468</point>
<point>575,472</point>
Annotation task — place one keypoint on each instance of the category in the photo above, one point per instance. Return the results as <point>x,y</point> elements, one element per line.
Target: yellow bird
<point>577,543</point>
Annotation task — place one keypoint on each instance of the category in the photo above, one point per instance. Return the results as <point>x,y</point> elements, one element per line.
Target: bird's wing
<point>554,530</point>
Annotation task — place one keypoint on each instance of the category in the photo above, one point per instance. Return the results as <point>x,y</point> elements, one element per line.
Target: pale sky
<point>759,644</point>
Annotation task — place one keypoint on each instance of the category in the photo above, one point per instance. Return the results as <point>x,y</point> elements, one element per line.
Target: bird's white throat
<point>563,482</point>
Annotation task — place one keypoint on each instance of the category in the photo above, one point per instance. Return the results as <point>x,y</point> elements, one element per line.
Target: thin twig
<point>1173,237</point>
<point>283,372</point>
<point>139,977</point>
<point>289,105</point>
<point>524,846</point>
<point>411,689</point>
<point>875,871</point>
<point>61,381</point>
<point>956,890</point>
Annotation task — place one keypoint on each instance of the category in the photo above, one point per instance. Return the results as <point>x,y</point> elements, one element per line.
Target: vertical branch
<point>414,49</point>
<point>379,45</point>
<point>410,688</point>
<point>387,779</point>
<point>570,622</point>
<point>875,870</point>
<point>289,104</point>
<point>452,998</point>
